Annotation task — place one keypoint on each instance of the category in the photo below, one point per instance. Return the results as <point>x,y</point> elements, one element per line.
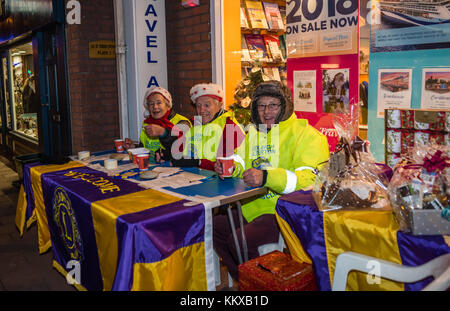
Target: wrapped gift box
<point>407,140</point>
<point>276,271</point>
<point>439,125</point>
<point>407,119</point>
<point>438,138</point>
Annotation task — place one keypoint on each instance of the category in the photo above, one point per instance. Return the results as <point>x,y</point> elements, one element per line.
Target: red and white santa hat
<point>206,89</point>
<point>160,90</point>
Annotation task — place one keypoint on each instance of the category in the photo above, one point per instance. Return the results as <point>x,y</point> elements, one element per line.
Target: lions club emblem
<point>66,222</point>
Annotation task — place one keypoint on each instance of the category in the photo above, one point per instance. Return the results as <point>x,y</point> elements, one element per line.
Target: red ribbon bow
<point>436,163</point>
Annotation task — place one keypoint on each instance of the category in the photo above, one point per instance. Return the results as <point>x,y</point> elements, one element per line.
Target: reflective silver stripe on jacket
<point>291,182</point>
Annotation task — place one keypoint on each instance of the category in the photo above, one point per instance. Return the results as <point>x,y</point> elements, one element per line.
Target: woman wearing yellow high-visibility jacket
<point>158,133</point>
<point>279,152</point>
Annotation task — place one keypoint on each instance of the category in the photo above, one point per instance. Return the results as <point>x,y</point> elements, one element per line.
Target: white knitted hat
<point>159,90</point>
<point>206,89</point>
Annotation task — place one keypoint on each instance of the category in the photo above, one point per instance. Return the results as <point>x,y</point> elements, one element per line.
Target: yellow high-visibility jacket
<point>289,152</point>
<point>204,141</point>
<point>153,143</point>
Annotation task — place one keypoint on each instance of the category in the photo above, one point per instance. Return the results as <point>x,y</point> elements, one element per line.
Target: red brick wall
<point>92,82</point>
<point>188,32</point>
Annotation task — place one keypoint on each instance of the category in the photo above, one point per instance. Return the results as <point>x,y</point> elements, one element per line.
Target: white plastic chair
<point>439,268</point>
<point>270,247</point>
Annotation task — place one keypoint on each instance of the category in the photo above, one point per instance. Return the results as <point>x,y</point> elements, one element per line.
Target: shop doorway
<point>57,140</point>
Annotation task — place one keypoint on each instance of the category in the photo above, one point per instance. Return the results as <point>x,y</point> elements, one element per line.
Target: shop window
<point>25,102</point>
<point>6,84</point>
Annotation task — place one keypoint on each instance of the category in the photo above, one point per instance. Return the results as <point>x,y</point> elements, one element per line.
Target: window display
<point>6,90</point>
<point>25,101</point>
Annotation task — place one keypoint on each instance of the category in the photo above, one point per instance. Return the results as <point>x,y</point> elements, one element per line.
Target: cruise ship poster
<point>401,25</point>
<point>394,90</point>
<point>435,88</point>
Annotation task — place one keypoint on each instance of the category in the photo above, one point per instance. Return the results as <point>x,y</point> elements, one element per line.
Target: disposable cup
<point>119,145</point>
<point>227,166</point>
<point>142,161</point>
<point>110,164</point>
<point>82,155</point>
<point>135,151</point>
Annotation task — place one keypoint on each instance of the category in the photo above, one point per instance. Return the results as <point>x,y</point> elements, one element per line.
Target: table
<point>319,237</point>
<point>125,237</point>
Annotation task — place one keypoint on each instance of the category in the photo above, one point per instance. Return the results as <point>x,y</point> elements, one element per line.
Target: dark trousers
<point>262,230</point>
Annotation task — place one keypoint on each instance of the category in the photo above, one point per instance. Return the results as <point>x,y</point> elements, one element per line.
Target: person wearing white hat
<point>215,133</point>
<point>157,127</point>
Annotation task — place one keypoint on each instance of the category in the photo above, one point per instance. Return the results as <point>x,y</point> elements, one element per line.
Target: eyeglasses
<point>271,107</point>
<point>155,103</point>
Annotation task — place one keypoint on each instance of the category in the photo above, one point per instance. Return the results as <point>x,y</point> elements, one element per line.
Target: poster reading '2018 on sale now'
<point>320,27</point>
<point>322,60</point>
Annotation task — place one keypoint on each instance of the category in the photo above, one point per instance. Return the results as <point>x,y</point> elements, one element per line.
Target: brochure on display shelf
<point>273,16</point>
<point>256,15</point>
<point>256,47</point>
<point>273,47</point>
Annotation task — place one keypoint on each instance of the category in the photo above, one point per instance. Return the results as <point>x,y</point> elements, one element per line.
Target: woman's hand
<point>219,169</point>
<point>154,130</point>
<point>128,144</point>
<point>253,177</point>
<point>159,156</point>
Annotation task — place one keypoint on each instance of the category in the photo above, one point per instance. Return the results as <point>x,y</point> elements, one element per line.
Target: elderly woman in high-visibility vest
<point>157,132</point>
<point>279,152</point>
<point>215,133</point>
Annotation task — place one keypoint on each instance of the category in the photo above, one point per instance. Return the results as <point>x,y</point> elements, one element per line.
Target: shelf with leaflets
<point>263,39</point>
<point>262,64</point>
<point>275,32</point>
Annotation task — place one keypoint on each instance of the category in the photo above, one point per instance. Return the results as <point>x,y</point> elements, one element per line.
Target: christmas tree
<point>243,95</point>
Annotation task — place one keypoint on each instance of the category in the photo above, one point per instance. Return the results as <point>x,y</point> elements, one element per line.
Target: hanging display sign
<point>150,48</point>
<point>435,88</point>
<point>410,25</point>
<point>394,89</point>
<point>305,90</point>
<point>319,27</point>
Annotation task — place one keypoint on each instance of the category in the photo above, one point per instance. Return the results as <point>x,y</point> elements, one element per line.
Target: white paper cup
<point>110,164</point>
<point>82,155</point>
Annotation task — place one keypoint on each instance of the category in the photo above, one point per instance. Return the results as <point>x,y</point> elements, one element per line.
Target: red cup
<point>119,145</point>
<point>227,166</point>
<point>142,161</point>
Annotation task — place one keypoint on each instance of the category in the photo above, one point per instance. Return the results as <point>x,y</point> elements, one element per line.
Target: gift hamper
<point>351,179</point>
<point>419,191</point>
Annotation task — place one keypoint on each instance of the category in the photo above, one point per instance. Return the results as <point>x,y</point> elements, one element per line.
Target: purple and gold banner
<point>319,237</point>
<point>160,239</point>
<point>68,196</point>
<point>122,236</point>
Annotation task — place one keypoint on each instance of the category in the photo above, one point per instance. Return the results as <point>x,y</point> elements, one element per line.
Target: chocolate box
<point>276,271</point>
